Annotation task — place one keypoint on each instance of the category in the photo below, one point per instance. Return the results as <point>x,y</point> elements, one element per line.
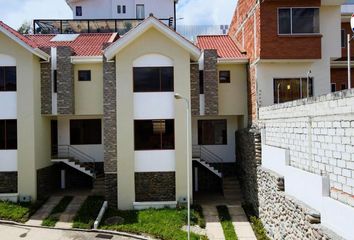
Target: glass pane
<point>284,21</point>
<point>167,79</point>
<point>2,79</point>
<point>140,11</point>
<point>10,79</point>
<point>168,137</point>
<point>146,79</point>
<point>84,75</point>
<point>147,134</point>
<point>212,132</point>
<point>2,134</point>
<point>11,134</point>
<point>85,132</point>
<point>102,26</point>
<point>305,20</point>
<point>224,76</point>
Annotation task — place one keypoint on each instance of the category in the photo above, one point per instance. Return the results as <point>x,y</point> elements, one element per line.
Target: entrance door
<point>140,11</point>
<point>54,137</point>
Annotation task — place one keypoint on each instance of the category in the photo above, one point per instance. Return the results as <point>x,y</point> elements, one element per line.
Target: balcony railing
<point>121,26</point>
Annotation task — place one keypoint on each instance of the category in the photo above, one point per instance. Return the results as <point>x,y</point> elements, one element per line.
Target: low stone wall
<point>47,181</point>
<point>8,182</point>
<point>155,186</point>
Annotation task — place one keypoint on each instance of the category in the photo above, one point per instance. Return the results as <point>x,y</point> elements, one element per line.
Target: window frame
<point>84,142</point>
<point>229,76</point>
<point>201,142</point>
<point>335,87</point>
<point>311,82</point>
<point>78,13</point>
<point>5,137</point>
<point>136,11</point>
<point>84,72</point>
<point>124,9</point>
<point>160,79</point>
<point>291,22</point>
<point>3,68</point>
<point>119,9</point>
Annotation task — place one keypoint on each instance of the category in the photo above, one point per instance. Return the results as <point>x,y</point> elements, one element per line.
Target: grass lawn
<point>164,224</point>
<point>256,223</point>
<point>226,223</point>
<point>86,216</point>
<point>18,212</point>
<point>53,217</point>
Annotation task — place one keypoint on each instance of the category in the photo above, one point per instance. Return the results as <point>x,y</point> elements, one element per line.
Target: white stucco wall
<point>155,161</point>
<point>154,105</point>
<point>8,160</point>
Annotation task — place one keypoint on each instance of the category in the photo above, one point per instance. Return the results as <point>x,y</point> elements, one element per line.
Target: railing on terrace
<point>121,26</point>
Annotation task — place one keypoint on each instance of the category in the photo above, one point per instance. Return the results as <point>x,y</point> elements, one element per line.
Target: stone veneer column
<point>65,78</point>
<point>195,89</point>
<point>46,86</point>
<point>211,82</point>
<point>110,131</point>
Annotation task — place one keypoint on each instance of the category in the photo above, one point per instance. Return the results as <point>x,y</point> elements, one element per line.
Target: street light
<point>179,97</point>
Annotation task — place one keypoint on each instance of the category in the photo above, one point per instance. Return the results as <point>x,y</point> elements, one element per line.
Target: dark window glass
<point>124,9</point>
<point>224,76</point>
<point>8,79</point>
<point>79,11</point>
<point>288,89</point>
<point>305,20</point>
<point>153,79</point>
<point>284,21</point>
<point>343,38</point>
<point>119,9</point>
<point>154,134</point>
<point>212,132</point>
<point>201,82</point>
<point>84,75</point>
<point>8,134</point>
<point>55,82</point>
<point>333,87</point>
<point>85,132</point>
<point>2,79</point>
<point>343,87</point>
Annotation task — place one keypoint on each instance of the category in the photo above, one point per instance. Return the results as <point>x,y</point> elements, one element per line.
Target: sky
<point>193,12</point>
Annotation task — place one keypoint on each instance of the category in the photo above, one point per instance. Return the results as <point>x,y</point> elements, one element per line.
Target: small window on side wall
<point>84,75</point>
<point>224,77</point>
<point>119,9</point>
<point>333,87</point>
<point>124,9</point>
<point>78,11</point>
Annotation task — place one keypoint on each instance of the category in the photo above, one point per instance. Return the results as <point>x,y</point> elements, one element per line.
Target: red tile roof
<point>225,46</point>
<point>86,44</point>
<point>18,35</point>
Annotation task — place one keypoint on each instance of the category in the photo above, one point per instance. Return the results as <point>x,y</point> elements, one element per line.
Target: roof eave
<point>232,60</point>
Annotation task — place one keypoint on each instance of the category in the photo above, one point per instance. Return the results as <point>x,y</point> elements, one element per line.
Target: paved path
<point>12,232</point>
<point>66,218</point>
<point>213,226</point>
<point>242,227</point>
<point>44,211</point>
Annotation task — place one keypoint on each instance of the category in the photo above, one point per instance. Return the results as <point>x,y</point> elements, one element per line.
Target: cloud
<point>205,12</point>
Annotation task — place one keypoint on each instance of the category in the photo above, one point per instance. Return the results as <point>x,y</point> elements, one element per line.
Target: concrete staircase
<point>98,186</point>
<point>208,166</point>
<point>232,190</point>
<point>82,167</point>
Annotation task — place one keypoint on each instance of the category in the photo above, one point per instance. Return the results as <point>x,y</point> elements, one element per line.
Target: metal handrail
<point>200,151</point>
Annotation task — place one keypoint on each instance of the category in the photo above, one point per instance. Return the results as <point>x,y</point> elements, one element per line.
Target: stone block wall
<point>155,186</point>
<point>65,84</point>
<point>47,181</point>
<point>110,131</point>
<point>46,88</point>
<point>211,83</point>
<point>319,133</point>
<point>195,89</point>
<point>8,182</point>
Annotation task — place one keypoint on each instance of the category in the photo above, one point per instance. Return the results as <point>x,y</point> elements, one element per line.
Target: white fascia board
<point>86,59</point>
<point>150,22</point>
<point>35,51</point>
<point>287,60</point>
<point>340,64</point>
<point>232,61</point>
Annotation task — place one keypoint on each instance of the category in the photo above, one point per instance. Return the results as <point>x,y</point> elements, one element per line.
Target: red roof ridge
<point>18,35</point>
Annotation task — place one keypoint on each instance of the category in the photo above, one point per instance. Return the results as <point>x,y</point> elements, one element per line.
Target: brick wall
<point>320,136</point>
<point>347,28</point>
<point>46,88</point>
<point>339,76</point>
<point>8,182</point>
<point>195,89</point>
<point>211,83</point>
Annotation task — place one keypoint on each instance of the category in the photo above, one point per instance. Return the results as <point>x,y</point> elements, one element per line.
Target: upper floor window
<point>290,89</point>
<point>8,134</point>
<point>212,132</point>
<point>153,79</point>
<point>124,9</point>
<point>78,11</point>
<point>224,77</point>
<point>8,79</point>
<point>298,20</point>
<point>119,9</point>
<point>140,11</point>
<point>84,75</point>
<point>343,38</point>
<point>85,132</point>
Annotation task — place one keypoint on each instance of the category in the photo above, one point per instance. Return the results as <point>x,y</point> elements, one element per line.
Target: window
<point>288,89</point>
<point>85,132</point>
<point>140,11</point>
<point>212,132</point>
<point>84,75</point>
<point>343,38</point>
<point>124,9</point>
<point>8,134</point>
<point>8,79</point>
<point>343,87</point>
<point>298,20</point>
<point>119,9</point>
<point>333,87</point>
<point>224,76</point>
<point>55,81</point>
<point>78,11</point>
<point>201,82</point>
<point>154,134</point>
<point>153,79</point>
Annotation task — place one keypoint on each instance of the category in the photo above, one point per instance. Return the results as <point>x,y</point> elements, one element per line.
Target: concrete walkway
<point>37,218</point>
<point>66,218</point>
<point>242,227</point>
<point>213,226</point>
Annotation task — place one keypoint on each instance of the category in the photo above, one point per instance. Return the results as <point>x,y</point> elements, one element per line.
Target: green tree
<point>25,28</point>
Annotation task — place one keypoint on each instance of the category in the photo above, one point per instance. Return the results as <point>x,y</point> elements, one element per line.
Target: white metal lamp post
<point>179,97</point>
